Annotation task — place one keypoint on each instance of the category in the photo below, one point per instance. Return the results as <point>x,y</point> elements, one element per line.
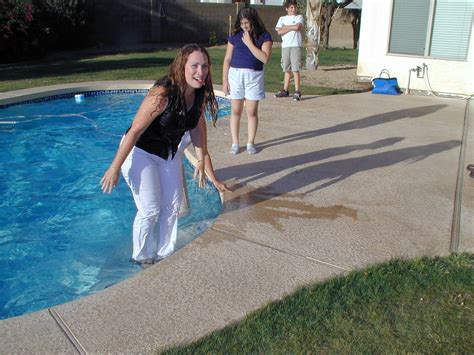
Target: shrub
<point>212,38</point>
<point>17,35</point>
<point>29,27</point>
<point>65,21</point>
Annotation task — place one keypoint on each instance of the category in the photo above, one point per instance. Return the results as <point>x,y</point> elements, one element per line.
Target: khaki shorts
<point>291,59</point>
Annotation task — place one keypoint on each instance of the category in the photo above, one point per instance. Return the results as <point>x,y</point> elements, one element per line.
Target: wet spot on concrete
<point>270,207</point>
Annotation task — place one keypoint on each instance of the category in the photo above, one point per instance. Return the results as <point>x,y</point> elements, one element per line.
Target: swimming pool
<point>60,237</point>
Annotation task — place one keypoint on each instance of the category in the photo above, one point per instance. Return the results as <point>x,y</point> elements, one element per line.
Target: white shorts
<point>246,83</point>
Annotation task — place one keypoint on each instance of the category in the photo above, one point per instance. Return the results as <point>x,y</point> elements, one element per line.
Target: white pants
<point>157,187</point>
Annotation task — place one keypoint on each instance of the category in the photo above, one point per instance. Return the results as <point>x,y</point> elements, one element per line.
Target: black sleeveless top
<point>168,128</point>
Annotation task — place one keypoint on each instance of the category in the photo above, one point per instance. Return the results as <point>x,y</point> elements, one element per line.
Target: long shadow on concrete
<point>330,172</point>
<point>245,173</point>
<point>362,123</point>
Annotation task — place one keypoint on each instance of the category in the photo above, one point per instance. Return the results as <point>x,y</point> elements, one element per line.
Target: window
<point>431,28</point>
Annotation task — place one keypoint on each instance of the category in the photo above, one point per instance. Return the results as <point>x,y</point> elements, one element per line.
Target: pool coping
<point>271,238</point>
<point>20,96</point>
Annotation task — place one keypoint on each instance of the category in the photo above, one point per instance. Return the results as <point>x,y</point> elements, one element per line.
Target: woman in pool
<point>149,156</point>
<point>248,49</point>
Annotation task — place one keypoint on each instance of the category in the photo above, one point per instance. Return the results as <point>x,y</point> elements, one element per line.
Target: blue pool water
<point>60,237</point>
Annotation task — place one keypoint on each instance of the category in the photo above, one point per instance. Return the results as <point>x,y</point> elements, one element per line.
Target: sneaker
<point>251,149</point>
<point>234,149</point>
<point>282,93</point>
<point>297,96</point>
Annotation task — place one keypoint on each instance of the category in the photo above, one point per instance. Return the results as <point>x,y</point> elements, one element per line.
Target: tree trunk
<point>313,26</point>
<point>329,11</point>
<point>355,22</point>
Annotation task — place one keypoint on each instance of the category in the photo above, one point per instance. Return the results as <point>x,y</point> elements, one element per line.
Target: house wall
<point>445,76</point>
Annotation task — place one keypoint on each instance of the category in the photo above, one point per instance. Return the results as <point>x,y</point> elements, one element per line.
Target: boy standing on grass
<point>289,28</point>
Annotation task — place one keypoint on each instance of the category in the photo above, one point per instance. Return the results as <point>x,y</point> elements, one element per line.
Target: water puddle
<point>272,208</point>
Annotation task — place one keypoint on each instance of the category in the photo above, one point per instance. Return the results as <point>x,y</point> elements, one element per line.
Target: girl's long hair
<point>250,14</point>
<point>205,95</point>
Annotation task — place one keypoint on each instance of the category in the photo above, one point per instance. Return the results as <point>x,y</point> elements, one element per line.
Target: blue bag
<point>387,86</point>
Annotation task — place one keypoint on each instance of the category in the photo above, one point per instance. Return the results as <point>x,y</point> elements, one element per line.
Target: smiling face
<point>246,25</point>
<point>196,70</point>
<point>291,10</point>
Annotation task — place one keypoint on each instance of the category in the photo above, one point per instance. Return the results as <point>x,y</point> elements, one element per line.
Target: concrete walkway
<point>340,182</point>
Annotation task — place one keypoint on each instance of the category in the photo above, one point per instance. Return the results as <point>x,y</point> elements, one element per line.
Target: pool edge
<point>18,96</point>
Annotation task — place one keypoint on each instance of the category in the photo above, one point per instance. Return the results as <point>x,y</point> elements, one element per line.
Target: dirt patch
<point>336,76</point>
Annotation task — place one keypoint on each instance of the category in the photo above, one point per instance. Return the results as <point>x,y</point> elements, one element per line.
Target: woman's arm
<point>225,68</point>
<point>152,106</point>
<point>263,54</point>
<point>208,167</point>
<point>219,185</point>
<point>199,139</point>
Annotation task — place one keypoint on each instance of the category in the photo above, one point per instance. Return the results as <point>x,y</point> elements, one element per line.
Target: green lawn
<point>144,66</point>
<point>417,306</point>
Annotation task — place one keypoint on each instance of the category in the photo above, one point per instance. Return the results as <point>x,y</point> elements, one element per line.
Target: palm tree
<point>313,33</point>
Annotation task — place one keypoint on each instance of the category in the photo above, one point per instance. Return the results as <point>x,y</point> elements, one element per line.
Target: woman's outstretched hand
<point>109,180</point>
<point>220,186</point>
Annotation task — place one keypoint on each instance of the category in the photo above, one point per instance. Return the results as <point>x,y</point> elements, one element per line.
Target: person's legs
<point>141,174</point>
<point>286,66</point>
<point>235,115</point>
<point>237,94</point>
<point>297,78</point>
<point>295,57</point>
<point>286,83</point>
<point>171,178</point>
<point>251,107</point>
<point>254,92</point>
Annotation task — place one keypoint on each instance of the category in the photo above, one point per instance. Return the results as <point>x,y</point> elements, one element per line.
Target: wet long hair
<point>252,16</point>
<point>175,82</point>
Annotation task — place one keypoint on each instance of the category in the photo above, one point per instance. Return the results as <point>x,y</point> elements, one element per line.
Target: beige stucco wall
<point>340,32</point>
<point>445,76</point>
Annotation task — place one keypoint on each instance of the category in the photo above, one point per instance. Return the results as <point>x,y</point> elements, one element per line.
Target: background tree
<point>352,16</point>
<point>355,22</point>
<point>313,33</point>
<point>330,10</point>
<point>319,15</point>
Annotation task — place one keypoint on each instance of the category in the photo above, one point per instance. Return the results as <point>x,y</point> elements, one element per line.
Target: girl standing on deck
<point>150,153</point>
<point>248,49</point>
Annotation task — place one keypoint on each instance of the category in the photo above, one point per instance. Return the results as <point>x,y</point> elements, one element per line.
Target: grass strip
<point>403,306</point>
<point>76,67</point>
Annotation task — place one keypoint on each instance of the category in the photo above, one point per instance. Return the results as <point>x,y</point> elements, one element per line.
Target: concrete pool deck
<point>339,183</point>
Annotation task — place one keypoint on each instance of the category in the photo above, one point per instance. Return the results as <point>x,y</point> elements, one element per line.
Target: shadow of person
<point>362,123</point>
<point>249,172</point>
<point>332,172</point>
